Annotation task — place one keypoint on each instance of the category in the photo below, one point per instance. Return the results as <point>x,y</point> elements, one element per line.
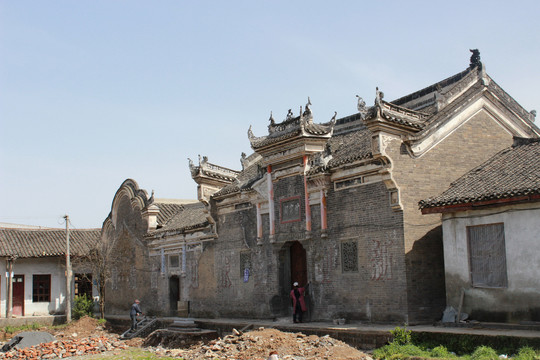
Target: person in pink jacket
<point>299,303</point>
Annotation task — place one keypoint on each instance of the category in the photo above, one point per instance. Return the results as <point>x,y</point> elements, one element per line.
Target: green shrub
<point>84,306</point>
<point>484,353</point>
<point>401,336</point>
<point>526,353</point>
<point>101,322</point>
<point>441,352</point>
<point>396,351</point>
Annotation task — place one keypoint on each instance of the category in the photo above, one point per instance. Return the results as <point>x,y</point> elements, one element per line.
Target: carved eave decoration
<point>394,119</point>
<point>299,135</point>
<point>209,173</point>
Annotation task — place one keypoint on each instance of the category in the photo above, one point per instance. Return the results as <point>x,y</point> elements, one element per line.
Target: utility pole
<point>68,273</point>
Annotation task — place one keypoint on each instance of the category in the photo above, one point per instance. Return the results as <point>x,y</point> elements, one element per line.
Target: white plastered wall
<point>522,242</point>
<point>38,266</point>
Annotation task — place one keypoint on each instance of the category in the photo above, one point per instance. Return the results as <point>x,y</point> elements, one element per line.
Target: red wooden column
<point>324,224</point>
<point>308,209</point>
<point>270,202</point>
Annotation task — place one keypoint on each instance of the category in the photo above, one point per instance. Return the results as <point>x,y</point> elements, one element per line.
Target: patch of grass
<point>395,351</point>
<point>527,353</point>
<point>11,329</point>
<point>484,353</point>
<point>441,352</point>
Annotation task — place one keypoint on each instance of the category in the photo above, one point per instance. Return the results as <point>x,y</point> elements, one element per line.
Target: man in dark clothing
<point>135,311</point>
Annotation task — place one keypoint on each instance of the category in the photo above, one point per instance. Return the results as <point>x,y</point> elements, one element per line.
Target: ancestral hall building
<point>330,203</point>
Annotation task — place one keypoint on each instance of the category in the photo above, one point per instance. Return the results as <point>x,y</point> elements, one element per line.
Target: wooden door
<point>298,264</point>
<point>18,295</point>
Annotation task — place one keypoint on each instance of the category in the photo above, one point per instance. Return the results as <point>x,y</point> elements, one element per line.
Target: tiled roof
<point>404,100</point>
<point>188,216</point>
<point>511,173</point>
<point>29,243</point>
<point>167,211</point>
<point>244,181</point>
<point>350,147</point>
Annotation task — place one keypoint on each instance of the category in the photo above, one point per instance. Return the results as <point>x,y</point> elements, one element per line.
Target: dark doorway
<point>292,267</point>
<point>18,295</point>
<point>174,293</point>
<point>298,264</point>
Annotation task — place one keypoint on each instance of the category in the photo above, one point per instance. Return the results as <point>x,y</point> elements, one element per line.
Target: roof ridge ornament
<point>250,134</point>
<point>379,95</point>
<point>272,121</point>
<point>475,59</point>
<point>361,106</point>
<point>289,115</point>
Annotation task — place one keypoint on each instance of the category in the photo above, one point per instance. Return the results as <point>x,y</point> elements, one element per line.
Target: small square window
<point>174,261</point>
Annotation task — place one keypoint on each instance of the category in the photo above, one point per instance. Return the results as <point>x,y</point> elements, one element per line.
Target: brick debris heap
<point>66,348</point>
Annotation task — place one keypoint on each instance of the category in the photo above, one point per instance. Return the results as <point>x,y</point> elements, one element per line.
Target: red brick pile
<point>65,348</point>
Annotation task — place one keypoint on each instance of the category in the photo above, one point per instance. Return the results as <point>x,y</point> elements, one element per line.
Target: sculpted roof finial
<point>272,121</point>
<point>289,115</point>
<point>379,95</point>
<point>333,120</point>
<point>361,106</point>
<point>475,59</point>
<point>250,134</point>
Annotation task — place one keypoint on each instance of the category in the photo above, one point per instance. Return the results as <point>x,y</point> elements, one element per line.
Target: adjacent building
<point>491,227</point>
<point>35,261</point>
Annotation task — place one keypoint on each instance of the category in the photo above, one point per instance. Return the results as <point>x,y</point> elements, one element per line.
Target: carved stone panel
<point>290,209</point>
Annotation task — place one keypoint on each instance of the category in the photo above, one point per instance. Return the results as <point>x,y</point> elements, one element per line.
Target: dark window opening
<point>41,291</point>
<point>83,285</point>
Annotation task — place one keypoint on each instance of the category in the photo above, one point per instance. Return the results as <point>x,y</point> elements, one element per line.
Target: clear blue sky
<point>95,92</point>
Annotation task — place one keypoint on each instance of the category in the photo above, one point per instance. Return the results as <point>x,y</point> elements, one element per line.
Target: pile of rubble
<point>259,344</point>
<point>65,348</point>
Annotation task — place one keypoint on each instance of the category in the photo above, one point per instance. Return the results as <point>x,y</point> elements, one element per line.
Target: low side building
<point>36,265</point>
<point>491,222</point>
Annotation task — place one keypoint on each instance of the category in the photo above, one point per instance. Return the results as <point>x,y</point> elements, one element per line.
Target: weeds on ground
<point>11,329</point>
<point>401,348</point>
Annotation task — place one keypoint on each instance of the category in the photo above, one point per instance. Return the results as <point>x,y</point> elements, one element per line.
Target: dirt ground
<point>252,345</point>
<point>260,344</point>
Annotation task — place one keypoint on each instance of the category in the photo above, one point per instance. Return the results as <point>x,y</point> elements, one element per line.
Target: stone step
<point>184,330</point>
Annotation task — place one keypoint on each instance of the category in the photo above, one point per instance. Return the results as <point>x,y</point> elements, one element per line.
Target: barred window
<point>487,255</point>
<point>349,256</point>
<point>41,288</point>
